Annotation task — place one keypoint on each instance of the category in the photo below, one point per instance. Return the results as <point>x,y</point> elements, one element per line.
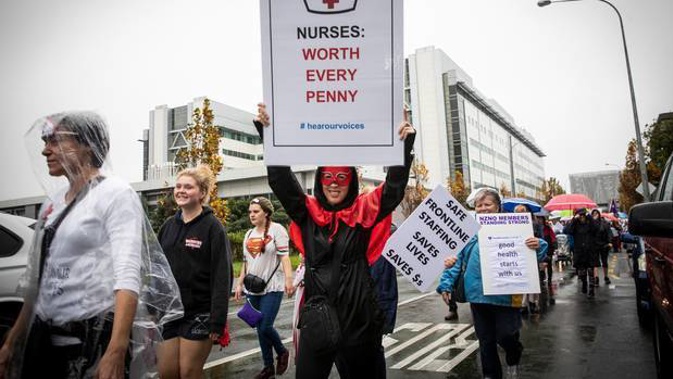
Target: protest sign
<point>332,73</point>
<point>437,229</point>
<point>508,266</point>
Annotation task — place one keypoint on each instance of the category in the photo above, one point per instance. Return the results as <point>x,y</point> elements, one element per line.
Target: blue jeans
<point>268,304</point>
<point>497,325</point>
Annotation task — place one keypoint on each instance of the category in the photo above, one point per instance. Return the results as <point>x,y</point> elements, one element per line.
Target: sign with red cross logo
<point>330,6</point>
<point>333,81</point>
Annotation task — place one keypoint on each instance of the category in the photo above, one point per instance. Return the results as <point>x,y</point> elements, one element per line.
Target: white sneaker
<point>513,372</point>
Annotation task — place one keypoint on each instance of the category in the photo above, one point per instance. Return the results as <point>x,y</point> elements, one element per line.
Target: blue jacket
<point>474,290</point>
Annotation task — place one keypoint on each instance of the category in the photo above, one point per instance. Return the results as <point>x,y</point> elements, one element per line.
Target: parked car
<point>16,235</point>
<point>653,221</point>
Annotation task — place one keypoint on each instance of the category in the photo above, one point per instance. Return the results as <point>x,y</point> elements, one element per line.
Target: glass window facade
<point>491,148</point>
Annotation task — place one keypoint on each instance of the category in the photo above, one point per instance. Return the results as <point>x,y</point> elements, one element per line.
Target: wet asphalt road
<point>574,338</point>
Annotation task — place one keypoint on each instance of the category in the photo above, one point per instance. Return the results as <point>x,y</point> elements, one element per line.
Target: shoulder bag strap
<point>271,277</point>
<point>246,265</point>
<point>50,231</point>
<point>245,239</point>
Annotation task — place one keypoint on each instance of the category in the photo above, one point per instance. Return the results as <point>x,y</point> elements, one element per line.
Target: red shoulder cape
<point>363,212</point>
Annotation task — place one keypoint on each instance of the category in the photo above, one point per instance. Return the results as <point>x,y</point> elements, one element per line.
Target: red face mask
<point>341,175</point>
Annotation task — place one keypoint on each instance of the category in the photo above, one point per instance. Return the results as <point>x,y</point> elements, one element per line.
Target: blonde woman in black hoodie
<point>197,248</point>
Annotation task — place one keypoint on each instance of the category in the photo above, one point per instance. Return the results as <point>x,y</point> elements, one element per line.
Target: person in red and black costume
<point>338,221</point>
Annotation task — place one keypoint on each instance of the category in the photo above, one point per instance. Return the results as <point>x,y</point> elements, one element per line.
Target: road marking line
<point>461,342</point>
<point>416,327</point>
<point>419,337</point>
<point>240,355</point>
<point>405,302</point>
<point>441,340</point>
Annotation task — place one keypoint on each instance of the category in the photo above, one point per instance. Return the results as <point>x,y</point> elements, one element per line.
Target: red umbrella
<point>570,201</point>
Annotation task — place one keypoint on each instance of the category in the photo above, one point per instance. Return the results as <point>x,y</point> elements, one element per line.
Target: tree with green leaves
<point>238,222</point>
<point>165,208</point>
<point>238,215</point>
<point>659,136</point>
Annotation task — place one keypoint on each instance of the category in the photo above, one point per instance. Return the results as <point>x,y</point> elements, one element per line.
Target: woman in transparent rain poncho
<point>97,287</point>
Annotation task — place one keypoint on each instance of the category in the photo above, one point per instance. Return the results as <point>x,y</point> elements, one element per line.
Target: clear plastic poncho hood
<point>92,240</point>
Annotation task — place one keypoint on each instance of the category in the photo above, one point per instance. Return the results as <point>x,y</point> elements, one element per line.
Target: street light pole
<point>511,166</point>
<point>641,151</point>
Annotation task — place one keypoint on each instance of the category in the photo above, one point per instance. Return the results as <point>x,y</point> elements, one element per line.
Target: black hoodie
<point>200,257</point>
<point>360,317</point>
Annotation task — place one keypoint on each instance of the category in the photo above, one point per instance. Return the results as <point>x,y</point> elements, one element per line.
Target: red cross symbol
<point>330,3</point>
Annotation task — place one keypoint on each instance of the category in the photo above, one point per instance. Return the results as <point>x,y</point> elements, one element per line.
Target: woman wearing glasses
<point>97,286</point>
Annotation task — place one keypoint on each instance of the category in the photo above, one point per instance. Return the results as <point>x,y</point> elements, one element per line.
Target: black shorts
<point>194,328</point>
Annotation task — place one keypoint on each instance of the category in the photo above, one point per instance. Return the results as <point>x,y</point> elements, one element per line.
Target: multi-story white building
<point>240,146</point>
<point>600,186</point>
<point>462,130</point>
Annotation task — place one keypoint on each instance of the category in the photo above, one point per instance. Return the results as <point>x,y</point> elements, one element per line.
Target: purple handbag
<point>249,314</point>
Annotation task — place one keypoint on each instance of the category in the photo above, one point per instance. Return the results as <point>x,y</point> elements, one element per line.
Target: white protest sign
<point>438,228</point>
<point>508,266</point>
<point>332,73</point>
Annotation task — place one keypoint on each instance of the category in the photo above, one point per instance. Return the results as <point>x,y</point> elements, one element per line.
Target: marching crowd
<point>106,298</point>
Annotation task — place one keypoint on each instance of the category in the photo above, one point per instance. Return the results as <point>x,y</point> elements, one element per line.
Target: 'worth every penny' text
<point>331,75</point>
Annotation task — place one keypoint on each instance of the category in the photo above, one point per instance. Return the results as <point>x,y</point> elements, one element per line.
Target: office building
<point>240,145</point>
<point>600,186</point>
<point>462,130</point>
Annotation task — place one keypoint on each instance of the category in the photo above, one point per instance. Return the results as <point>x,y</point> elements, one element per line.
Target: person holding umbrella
<point>583,230</point>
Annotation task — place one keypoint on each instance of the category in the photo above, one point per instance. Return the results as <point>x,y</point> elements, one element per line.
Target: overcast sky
<point>559,70</point>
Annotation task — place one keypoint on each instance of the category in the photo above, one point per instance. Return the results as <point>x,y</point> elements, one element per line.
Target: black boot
<point>452,315</point>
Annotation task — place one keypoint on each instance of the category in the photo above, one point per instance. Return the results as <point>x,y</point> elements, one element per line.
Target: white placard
<point>438,228</point>
<point>508,266</point>
<point>333,74</point>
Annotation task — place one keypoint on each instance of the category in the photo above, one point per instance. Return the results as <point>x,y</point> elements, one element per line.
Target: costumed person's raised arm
<point>282,180</point>
<point>398,176</point>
